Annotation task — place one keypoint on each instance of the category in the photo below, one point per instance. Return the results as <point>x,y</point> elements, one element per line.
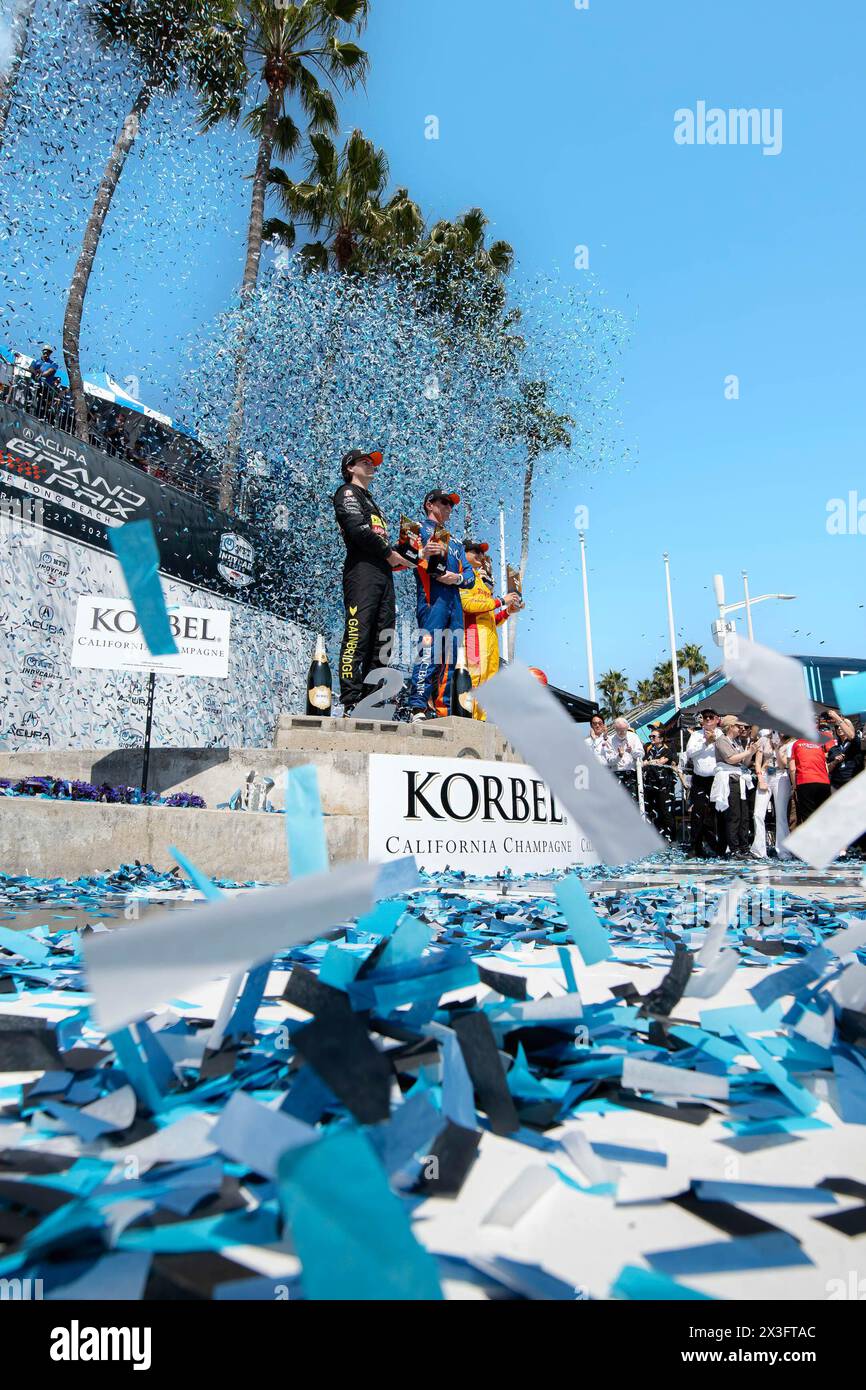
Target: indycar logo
<point>53,569</point>
<point>237,559</point>
<point>61,468</point>
<point>36,670</point>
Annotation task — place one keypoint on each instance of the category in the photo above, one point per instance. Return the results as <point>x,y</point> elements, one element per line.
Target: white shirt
<point>701,754</point>
<point>627,749</point>
<point>600,745</point>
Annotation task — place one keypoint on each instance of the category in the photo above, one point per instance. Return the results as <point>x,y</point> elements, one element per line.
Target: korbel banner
<point>462,813</point>
<point>108,637</point>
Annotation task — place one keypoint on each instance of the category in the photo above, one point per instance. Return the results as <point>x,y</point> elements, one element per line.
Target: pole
<point>503,578</point>
<point>590,669</point>
<point>673,635</point>
<point>749,627</point>
<point>148,728</point>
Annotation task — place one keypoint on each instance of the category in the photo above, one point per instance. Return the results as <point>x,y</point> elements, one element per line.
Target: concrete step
<point>435,738</point>
<point>66,839</point>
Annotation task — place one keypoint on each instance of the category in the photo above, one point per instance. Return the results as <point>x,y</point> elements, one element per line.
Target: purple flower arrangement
<point>61,790</point>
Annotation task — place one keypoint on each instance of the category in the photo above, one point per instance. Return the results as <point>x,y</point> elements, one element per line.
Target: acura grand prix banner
<point>82,493</point>
<point>461,813</point>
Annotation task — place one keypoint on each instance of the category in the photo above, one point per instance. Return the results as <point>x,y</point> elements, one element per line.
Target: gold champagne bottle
<point>320,682</point>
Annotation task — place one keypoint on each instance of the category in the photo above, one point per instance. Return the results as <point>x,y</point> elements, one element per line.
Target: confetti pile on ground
<point>631,1092</point>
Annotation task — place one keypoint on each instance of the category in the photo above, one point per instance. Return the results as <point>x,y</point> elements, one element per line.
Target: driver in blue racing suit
<point>440,611</point>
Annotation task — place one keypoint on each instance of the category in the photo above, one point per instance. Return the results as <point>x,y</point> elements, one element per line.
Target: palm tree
<point>19,34</point>
<point>191,41</point>
<point>529,419</point>
<point>456,257</point>
<point>644,692</point>
<point>662,680</point>
<point>692,658</point>
<point>614,687</point>
<point>342,198</point>
<point>291,46</point>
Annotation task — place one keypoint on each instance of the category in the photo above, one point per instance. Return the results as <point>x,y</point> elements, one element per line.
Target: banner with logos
<point>462,813</point>
<point>108,637</point>
<point>81,493</point>
<point>45,699</point>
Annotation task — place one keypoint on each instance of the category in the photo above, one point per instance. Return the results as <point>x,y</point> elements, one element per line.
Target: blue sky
<point>559,122</point>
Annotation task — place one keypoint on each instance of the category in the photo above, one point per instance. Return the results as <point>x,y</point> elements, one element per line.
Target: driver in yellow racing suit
<point>482,614</point>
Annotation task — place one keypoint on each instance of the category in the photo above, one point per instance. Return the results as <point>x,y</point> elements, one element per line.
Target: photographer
<point>844,754</point>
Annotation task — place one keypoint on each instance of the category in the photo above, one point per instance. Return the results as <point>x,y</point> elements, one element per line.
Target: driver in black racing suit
<point>368,576</point>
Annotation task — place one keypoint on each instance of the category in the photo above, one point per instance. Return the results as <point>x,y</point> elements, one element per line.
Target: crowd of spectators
<point>732,781</point>
<point>39,388</point>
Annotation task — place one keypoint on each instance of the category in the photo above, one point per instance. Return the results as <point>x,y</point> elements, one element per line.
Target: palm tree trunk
<point>21,30</point>
<point>524,545</point>
<point>92,233</point>
<point>248,285</point>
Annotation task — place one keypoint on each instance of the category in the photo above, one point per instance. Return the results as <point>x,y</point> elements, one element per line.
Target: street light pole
<point>503,578</point>
<point>748,603</point>
<point>673,634</point>
<point>749,627</point>
<point>590,669</point>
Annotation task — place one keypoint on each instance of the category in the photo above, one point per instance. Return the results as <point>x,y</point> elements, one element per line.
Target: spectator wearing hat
<point>705,824</point>
<point>441,576</point>
<point>482,614</point>
<point>45,371</point>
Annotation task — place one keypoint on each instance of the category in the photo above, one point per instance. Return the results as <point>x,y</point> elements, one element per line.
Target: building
<point>819,672</point>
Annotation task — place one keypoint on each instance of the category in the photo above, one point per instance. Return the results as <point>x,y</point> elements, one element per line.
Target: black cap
<point>480,546</point>
<point>437,495</point>
<point>355,456</point>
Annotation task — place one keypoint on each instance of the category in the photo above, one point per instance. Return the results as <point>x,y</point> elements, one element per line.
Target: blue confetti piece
<point>305,823</point>
<point>851,1085</point>
<point>584,927</point>
<point>850,692</point>
<point>647,1285</point>
<point>774,1250</point>
<point>351,1232</point>
<point>135,547</point>
<point>723,1191</point>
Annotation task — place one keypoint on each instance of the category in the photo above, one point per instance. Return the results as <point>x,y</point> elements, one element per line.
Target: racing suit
<point>368,588</point>
<point>440,620</point>
<point>482,614</point>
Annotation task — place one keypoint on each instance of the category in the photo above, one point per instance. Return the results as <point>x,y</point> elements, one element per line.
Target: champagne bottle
<point>462,700</point>
<point>319,681</point>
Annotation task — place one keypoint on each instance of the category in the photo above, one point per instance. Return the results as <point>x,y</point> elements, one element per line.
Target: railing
<point>52,404</point>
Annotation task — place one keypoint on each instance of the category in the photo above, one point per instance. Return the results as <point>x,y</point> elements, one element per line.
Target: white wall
<point>43,699</point>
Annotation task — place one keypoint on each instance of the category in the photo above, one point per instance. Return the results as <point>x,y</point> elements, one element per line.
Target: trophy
<point>438,564</point>
<point>409,544</point>
<point>515,583</point>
